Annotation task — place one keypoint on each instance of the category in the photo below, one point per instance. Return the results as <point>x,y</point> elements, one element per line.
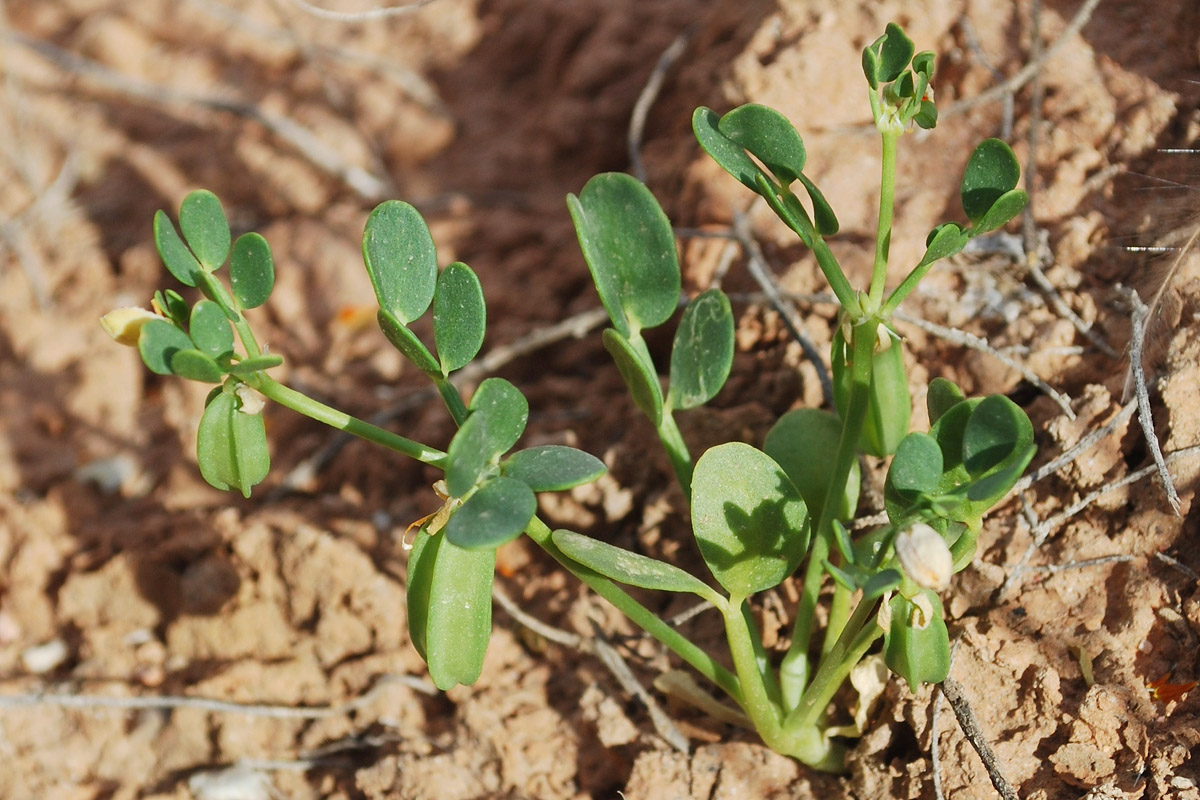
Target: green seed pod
<point>890,406</point>
<point>916,644</point>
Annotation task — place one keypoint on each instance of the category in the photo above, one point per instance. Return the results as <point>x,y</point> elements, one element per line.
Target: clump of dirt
<point>126,578</point>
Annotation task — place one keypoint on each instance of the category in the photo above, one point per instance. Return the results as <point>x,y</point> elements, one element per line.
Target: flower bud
<point>924,556</point>
<point>251,400</point>
<point>125,324</point>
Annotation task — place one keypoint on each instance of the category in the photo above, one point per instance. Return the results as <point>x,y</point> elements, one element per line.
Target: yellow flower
<point>125,324</point>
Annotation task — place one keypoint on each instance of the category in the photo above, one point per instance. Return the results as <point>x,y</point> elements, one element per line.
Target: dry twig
<point>646,98</point>
<point>970,728</point>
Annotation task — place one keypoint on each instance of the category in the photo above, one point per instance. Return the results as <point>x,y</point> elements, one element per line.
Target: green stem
<point>857,637</point>
<point>795,662</point>
<point>756,701</point>
<point>452,399</point>
<point>839,612</point>
<point>883,235</point>
<point>677,451</point>
<point>643,617</point>
<point>309,407</point>
<point>837,278</point>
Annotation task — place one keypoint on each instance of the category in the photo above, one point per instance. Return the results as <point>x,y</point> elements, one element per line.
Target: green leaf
<point>251,270</point>
<point>917,465</point>
<point>172,304</point>
<point>401,261</point>
<point>944,241</point>
<point>255,364</point>
<point>730,155</point>
<point>917,654</point>
<point>827,221</point>
<point>895,53</point>
<point>629,247</point>
<point>768,136</point>
<point>459,316</point>
<point>404,340</point>
<point>995,428</point>
<point>702,354</point>
<point>749,520</point>
<point>870,63</point>
<point>553,467</point>
<point>927,117</point>
<point>158,342</point>
<point>639,376</point>
<point>449,600</point>
<point>629,568</point>
<point>231,446</point>
<point>941,396</point>
<point>205,228</point>
<point>497,419</point>
<point>923,63</point>
<point>495,514</point>
<point>991,172</point>
<point>1007,206</point>
<point>803,442</point>
<point>196,366</point>
<point>210,329</point>
<point>175,255</point>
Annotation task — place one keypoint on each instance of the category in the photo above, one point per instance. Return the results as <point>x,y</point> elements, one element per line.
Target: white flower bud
<point>252,402</point>
<point>125,324</point>
<point>925,557</point>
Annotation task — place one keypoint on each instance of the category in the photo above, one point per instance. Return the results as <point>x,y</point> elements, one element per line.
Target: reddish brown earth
<point>123,575</point>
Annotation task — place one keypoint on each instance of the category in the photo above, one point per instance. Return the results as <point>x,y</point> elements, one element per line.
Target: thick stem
<point>883,234</point>
<point>860,632</point>
<point>863,337</point>
<point>309,407</point>
<point>677,451</point>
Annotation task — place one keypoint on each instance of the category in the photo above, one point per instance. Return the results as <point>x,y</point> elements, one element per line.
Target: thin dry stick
<point>1088,563</point>
<point>367,185</point>
<point>970,728</point>
<point>608,656</point>
<point>965,339</point>
<point>361,16</point>
<point>1083,445</point>
<point>968,29</point>
<point>1177,564</point>
<point>1030,70</point>
<point>1042,530</point>
<point>649,93</point>
<point>783,307</point>
<point>1140,314</point>
<point>576,326</point>
<point>91,701</point>
<point>611,659</point>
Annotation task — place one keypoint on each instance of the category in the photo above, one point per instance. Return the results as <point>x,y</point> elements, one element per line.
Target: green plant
<point>758,515</point>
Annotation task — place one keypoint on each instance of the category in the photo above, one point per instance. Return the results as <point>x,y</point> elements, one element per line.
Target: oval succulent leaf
<point>941,396</point>
<point>639,376</point>
<point>629,568</point>
<point>702,354</point>
<point>768,136</point>
<point>175,255</point>
<point>997,427</point>
<point>498,512</point>
<point>802,442</point>
<point>459,316</point>
<point>553,467</point>
<point>205,228</point>
<point>629,247</point>
<point>251,270</point>
<point>917,466</point>
<point>255,364</point>
<point>449,602</point>
<point>944,241</point>
<point>196,366</point>
<point>749,520</point>
<point>730,155</point>
<point>498,415</point>
<point>1006,207</point>
<point>210,329</point>
<point>158,342</point>
<point>917,645</point>
<point>826,221</point>
<point>991,172</point>
<point>401,261</point>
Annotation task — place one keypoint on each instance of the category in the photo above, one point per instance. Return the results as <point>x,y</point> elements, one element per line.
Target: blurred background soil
<point>123,575</point>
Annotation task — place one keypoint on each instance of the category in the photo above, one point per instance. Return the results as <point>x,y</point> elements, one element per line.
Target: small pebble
<point>45,657</point>
<point>232,783</point>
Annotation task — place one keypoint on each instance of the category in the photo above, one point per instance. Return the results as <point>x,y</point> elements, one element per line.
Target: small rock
<point>45,657</point>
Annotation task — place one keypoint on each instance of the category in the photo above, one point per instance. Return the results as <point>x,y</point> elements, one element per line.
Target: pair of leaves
<point>401,261</point>
<point>917,647</point>
<point>231,444</point>
<point>754,134</point>
<point>630,250</point>
<point>974,453</point>
<point>989,198</point>
<point>205,246</point>
<point>204,353</point>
